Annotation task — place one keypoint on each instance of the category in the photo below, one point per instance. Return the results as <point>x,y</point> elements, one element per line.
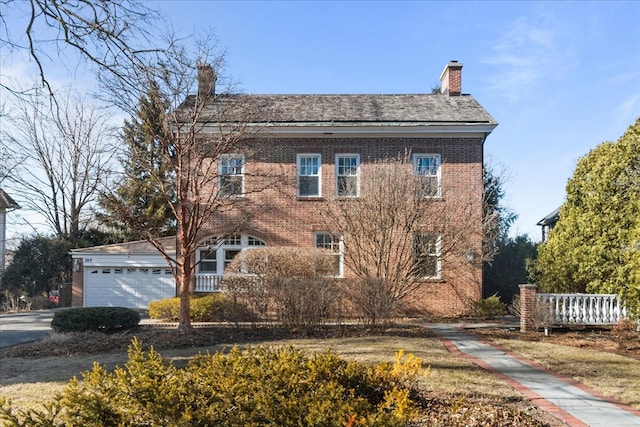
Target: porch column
<point>527,307</point>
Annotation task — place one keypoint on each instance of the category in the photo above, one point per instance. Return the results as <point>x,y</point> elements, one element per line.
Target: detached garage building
<point>124,275</point>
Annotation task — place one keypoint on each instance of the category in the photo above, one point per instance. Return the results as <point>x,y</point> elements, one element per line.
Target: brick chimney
<point>206,80</point>
<point>451,79</point>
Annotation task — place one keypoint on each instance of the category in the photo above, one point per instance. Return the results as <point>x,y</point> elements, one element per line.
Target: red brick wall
<point>290,221</point>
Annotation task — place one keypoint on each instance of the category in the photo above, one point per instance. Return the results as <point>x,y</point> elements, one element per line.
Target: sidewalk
<point>552,393</point>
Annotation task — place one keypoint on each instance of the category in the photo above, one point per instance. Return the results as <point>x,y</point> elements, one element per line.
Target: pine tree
<point>147,176</point>
<point>595,247</point>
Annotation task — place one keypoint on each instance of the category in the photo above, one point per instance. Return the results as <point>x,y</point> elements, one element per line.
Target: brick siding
<point>287,220</point>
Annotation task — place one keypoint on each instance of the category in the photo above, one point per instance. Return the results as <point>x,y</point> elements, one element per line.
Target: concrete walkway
<point>561,397</point>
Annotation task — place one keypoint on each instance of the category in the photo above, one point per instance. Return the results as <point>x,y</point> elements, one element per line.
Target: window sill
<point>310,199</point>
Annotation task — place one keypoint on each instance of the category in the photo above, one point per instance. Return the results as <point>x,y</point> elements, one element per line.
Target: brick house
<point>322,146</point>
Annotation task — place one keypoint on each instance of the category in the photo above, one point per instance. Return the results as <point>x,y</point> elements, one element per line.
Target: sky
<point>558,77</point>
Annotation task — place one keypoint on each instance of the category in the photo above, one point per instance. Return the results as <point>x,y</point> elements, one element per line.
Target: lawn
<point>455,391</point>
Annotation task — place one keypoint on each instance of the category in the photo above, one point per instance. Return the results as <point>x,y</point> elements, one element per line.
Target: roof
<point>552,218</point>
<point>6,202</point>
<point>137,247</point>
<point>351,109</point>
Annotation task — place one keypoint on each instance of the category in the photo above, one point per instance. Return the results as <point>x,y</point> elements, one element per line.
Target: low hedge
<point>208,308</point>
<point>102,319</point>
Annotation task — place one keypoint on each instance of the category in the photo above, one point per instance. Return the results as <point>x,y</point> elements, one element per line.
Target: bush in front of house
<point>297,285</point>
<point>258,386</point>
<point>101,319</point>
<point>490,307</point>
<point>207,308</point>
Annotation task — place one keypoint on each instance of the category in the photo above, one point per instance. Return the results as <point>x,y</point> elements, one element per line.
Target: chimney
<point>206,80</point>
<point>451,79</point>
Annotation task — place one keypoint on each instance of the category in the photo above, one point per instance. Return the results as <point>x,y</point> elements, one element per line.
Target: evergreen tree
<point>508,269</point>
<point>497,217</point>
<point>595,247</point>
<point>147,177</point>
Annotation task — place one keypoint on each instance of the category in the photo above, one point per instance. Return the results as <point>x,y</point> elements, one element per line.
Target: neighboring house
<point>322,144</point>
<point>548,222</point>
<point>7,204</point>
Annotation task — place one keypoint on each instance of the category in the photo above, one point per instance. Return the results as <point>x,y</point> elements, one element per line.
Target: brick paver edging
<point>535,398</point>
<point>562,377</point>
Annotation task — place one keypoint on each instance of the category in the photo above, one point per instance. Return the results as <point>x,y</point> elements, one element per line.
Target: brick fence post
<point>527,307</point>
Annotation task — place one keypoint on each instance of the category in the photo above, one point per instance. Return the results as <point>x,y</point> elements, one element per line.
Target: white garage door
<point>127,286</point>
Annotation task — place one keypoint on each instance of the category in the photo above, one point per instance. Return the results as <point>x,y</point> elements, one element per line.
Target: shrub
<point>490,307</point>
<point>374,297</point>
<point>627,333</point>
<point>208,308</point>
<point>104,319</point>
<point>259,386</point>
<point>295,283</point>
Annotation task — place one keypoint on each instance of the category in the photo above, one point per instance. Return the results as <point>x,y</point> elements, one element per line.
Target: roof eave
<point>401,129</point>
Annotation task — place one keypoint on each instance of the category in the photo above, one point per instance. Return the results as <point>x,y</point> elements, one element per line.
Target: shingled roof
<point>6,202</point>
<point>353,109</point>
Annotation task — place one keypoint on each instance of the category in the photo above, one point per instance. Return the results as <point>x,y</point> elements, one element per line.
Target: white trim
<point>300,156</point>
<point>340,252</point>
<point>386,130</point>
<point>226,157</point>
<point>221,247</point>
<point>348,155</point>
<point>438,160</point>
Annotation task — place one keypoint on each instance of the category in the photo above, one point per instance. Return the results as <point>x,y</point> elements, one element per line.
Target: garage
<point>121,275</point>
<point>132,287</point>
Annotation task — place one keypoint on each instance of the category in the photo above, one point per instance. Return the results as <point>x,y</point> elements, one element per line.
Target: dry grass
<point>611,374</point>
<point>454,389</point>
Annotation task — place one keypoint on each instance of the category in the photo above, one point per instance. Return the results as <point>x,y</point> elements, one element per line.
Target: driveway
<point>24,327</point>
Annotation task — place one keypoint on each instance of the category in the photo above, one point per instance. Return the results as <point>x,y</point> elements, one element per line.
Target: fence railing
<point>580,309</point>
<point>208,283</point>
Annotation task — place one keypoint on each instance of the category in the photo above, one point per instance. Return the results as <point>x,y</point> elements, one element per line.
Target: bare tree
<point>110,35</point>
<point>398,233</point>
<point>64,158</point>
<point>199,130</point>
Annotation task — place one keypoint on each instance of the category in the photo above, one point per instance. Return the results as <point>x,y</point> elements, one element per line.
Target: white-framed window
<point>347,175</point>
<point>426,168</point>
<point>231,174</point>
<point>216,253</point>
<point>332,243</point>
<point>208,261</point>
<point>427,255</point>
<point>308,170</point>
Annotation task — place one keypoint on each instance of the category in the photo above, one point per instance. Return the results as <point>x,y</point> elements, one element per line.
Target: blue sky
<point>559,77</point>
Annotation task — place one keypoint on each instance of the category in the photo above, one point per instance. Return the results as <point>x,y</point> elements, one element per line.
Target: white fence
<point>207,283</point>
<point>580,309</point>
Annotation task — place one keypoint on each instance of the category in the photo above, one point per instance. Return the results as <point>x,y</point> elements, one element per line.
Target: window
<point>229,254</point>
<point>347,175</point>
<point>208,261</point>
<point>426,167</point>
<point>332,244</point>
<point>426,254</point>
<point>231,172</point>
<point>308,175</point>
<point>216,253</point>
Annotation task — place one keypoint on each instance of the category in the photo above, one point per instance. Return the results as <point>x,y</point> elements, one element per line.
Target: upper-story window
<point>332,243</point>
<point>347,175</point>
<point>308,169</point>
<point>231,172</point>
<point>427,254</point>
<point>426,167</point>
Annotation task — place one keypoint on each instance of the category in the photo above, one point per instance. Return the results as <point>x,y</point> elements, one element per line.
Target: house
<point>324,144</point>
<point>548,222</point>
<point>7,204</point>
